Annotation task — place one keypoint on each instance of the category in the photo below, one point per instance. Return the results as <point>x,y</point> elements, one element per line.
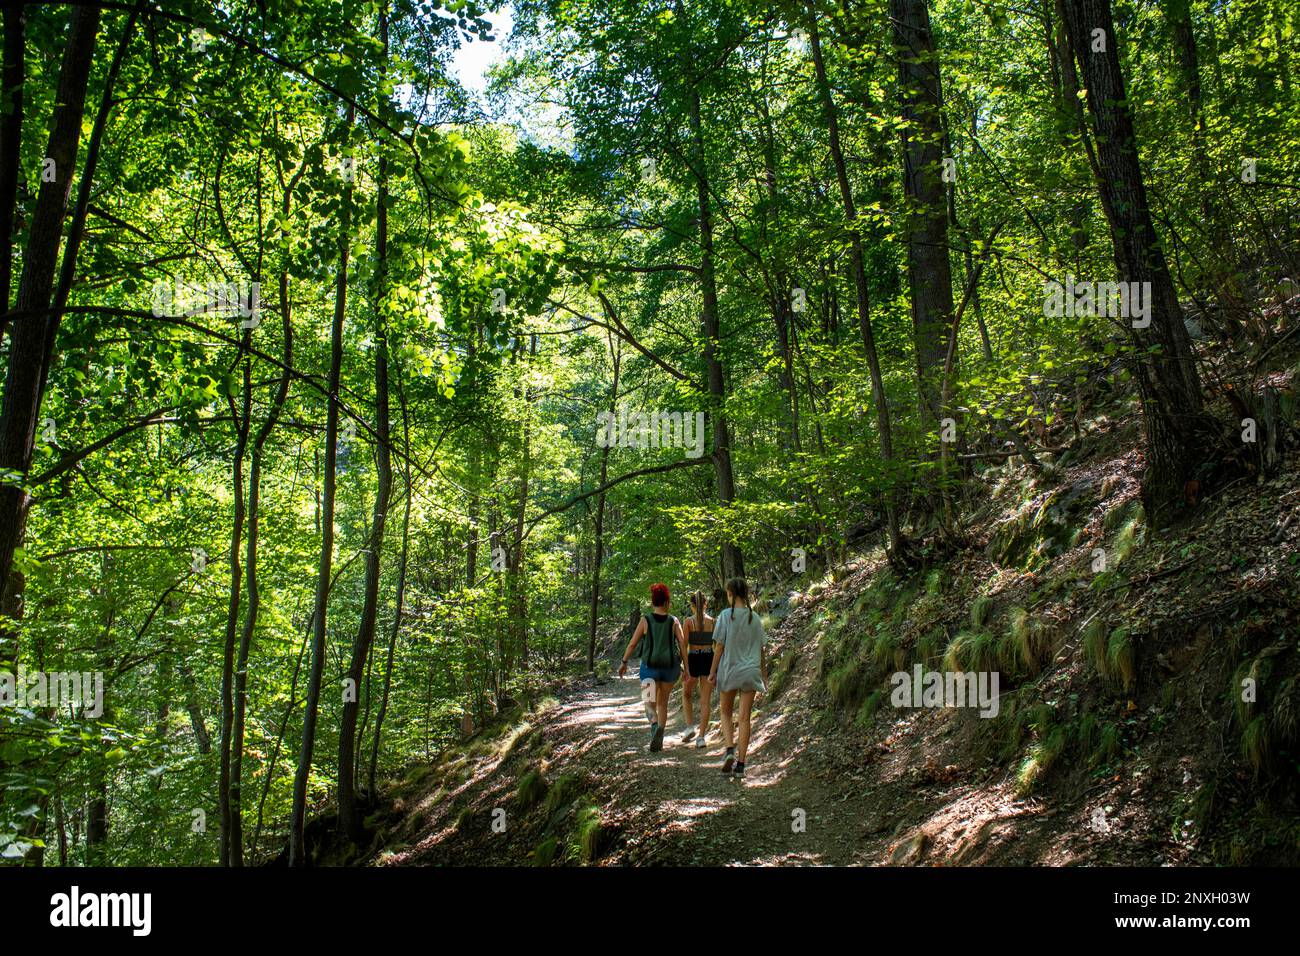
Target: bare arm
<point>631,647</point>
<point>718,649</point>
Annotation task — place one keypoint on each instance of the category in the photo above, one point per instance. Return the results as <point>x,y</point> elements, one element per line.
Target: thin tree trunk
<point>252,584</point>
<point>598,551</point>
<point>401,588</point>
<point>733,564</point>
<point>1179,436</point>
<point>97,814</point>
<point>297,826</point>
<point>193,706</point>
<point>242,421</point>
<point>897,545</point>
<point>783,315</point>
<point>518,590</point>
<point>349,822</point>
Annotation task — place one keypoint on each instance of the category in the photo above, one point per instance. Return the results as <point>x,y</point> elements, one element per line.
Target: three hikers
<point>728,652</point>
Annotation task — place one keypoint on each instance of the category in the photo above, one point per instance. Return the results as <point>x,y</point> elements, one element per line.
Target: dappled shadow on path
<point>675,806</point>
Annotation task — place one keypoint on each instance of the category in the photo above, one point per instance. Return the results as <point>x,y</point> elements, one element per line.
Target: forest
<point>354,400</point>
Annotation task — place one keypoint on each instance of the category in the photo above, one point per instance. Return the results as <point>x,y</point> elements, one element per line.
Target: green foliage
<point>532,273</point>
<point>531,790</point>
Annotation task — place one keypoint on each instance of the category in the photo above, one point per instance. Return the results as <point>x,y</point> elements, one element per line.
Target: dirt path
<point>675,806</point>
<point>905,790</point>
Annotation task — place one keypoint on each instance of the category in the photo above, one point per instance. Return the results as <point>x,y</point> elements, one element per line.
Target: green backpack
<point>661,650</point>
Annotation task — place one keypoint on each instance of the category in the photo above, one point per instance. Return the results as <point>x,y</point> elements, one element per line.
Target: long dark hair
<point>698,602</point>
<point>739,589</point>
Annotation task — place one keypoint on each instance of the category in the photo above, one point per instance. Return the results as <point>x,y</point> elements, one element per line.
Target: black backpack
<point>661,650</point>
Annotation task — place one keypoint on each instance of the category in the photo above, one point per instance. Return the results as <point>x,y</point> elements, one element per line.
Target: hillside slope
<point>1149,708</point>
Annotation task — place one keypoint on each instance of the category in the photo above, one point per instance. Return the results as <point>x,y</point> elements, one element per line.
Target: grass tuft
<point>588,835</point>
<point>1120,659</point>
<point>544,855</point>
<point>563,792</point>
<point>531,790</point>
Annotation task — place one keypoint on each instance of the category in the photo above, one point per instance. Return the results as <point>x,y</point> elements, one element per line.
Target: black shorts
<point>699,663</point>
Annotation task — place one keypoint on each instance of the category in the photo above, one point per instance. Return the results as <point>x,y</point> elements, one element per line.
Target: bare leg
<point>688,685</point>
<point>728,702</point>
<point>663,691</point>
<point>746,706</point>
<point>706,699</point>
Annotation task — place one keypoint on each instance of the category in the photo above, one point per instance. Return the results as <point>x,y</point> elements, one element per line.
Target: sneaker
<point>688,736</point>
<point>657,739</point>
<point>728,762</point>
<point>738,771</point>
<point>700,743</point>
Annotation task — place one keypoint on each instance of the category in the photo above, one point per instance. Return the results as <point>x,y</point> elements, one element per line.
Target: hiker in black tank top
<point>698,629</point>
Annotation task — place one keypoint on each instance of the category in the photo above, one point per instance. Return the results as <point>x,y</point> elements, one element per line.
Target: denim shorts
<point>667,675</point>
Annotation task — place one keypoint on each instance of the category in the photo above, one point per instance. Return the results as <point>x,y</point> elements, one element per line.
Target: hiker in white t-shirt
<point>739,669</point>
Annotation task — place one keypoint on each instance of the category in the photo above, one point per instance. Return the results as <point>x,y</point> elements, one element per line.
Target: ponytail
<point>697,602</point>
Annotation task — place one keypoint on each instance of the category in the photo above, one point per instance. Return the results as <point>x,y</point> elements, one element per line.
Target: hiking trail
<point>808,797</point>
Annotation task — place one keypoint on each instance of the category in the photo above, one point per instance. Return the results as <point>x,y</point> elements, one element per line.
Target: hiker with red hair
<point>661,657</point>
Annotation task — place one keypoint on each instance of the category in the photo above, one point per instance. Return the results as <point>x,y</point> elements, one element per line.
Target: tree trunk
<point>401,588</point>
<point>733,563</point>
<point>349,823</point>
<point>897,545</point>
<point>252,585</point>
<point>28,356</point>
<point>97,816</point>
<point>929,271</point>
<point>1179,436</point>
<point>194,707</point>
<point>518,594</point>
<point>598,551</point>
<point>297,846</point>
<point>242,421</point>
<point>783,315</point>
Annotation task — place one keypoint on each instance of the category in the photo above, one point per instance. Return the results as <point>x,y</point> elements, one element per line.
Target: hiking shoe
<point>688,736</point>
<point>728,762</point>
<point>657,739</point>
<point>738,771</point>
<point>700,743</point>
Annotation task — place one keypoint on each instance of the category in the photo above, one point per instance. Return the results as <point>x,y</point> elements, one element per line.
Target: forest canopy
<point>347,406</point>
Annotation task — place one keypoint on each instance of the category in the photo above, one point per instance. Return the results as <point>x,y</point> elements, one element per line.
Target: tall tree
<point>1179,436</point>
<point>733,563</point>
<point>349,817</point>
<point>929,271</point>
<point>32,323</point>
<point>329,482</point>
<point>857,267</point>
